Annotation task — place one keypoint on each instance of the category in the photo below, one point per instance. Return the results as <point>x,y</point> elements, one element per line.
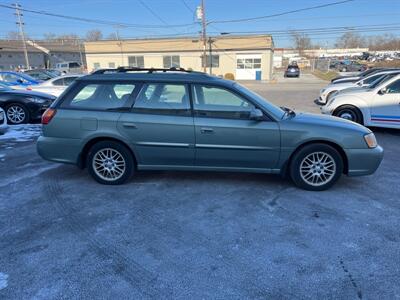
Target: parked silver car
<point>117,122</point>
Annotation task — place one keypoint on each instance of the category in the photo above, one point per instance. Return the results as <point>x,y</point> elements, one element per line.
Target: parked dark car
<point>292,70</point>
<point>350,67</point>
<point>22,106</point>
<point>341,79</point>
<point>40,74</point>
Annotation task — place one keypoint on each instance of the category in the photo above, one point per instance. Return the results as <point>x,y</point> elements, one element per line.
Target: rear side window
<point>100,96</point>
<point>394,88</point>
<point>59,82</point>
<point>163,98</point>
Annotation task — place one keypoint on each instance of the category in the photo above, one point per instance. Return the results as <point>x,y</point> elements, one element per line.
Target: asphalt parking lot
<point>185,235</point>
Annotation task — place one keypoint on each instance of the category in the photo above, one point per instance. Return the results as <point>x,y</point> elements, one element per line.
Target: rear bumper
<point>364,161</point>
<point>291,74</point>
<point>59,149</point>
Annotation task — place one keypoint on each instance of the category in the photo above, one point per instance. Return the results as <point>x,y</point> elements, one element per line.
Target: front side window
<point>136,61</point>
<point>171,61</point>
<point>394,87</point>
<point>163,98</point>
<point>100,96</point>
<point>218,102</point>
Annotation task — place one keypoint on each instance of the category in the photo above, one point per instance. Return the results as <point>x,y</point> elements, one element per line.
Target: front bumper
<point>3,123</point>
<point>363,161</point>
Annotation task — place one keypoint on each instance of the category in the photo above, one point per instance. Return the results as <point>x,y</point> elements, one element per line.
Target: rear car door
<point>160,126</point>
<point>225,134</point>
<point>385,106</point>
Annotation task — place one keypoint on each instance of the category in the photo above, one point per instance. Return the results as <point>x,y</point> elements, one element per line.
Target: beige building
<point>246,57</point>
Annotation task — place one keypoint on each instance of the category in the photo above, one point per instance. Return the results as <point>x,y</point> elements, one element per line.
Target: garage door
<point>247,66</point>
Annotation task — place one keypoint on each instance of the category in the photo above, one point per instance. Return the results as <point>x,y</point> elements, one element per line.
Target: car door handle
<point>129,125</point>
<point>206,130</point>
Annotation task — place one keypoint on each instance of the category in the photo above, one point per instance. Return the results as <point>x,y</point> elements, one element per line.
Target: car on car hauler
<point>115,122</point>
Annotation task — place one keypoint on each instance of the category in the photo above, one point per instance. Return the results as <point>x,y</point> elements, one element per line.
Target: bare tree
<point>384,42</point>
<point>113,36</point>
<point>301,41</point>
<point>350,40</point>
<point>94,35</point>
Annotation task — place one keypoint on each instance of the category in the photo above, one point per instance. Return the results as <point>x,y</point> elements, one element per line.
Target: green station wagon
<point>115,122</point>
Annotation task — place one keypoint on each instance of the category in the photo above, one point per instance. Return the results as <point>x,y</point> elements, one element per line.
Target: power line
<point>153,12</point>
<point>282,13</point>
<point>94,21</point>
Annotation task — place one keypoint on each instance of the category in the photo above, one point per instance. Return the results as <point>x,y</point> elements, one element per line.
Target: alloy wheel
<point>317,168</point>
<point>109,164</point>
<point>16,114</point>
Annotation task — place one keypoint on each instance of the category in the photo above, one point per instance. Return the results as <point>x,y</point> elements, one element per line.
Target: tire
<point>110,163</point>
<point>308,175</point>
<point>17,114</point>
<point>349,112</point>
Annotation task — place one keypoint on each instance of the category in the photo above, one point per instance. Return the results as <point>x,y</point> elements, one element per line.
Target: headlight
<point>370,140</point>
<point>37,100</point>
<point>322,91</point>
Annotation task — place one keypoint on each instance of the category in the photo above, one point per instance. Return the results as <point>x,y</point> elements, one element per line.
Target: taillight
<point>48,115</point>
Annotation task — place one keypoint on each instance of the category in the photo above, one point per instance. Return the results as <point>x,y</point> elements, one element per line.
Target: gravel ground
<point>184,235</point>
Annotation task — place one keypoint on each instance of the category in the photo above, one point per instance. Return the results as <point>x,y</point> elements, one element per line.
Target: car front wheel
<point>110,163</point>
<point>349,112</point>
<point>17,114</point>
<point>316,167</point>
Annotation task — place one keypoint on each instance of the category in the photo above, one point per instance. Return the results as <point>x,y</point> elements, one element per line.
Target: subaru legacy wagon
<point>115,122</point>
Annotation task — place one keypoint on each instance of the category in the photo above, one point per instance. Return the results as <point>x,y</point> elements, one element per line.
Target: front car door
<point>385,106</point>
<point>160,126</point>
<point>226,137</point>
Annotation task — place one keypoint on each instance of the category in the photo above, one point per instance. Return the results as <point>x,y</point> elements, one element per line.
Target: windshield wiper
<point>288,111</point>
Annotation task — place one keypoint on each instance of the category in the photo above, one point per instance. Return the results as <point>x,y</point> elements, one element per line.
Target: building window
<point>96,65</point>
<point>248,63</point>
<point>136,61</point>
<point>111,65</point>
<point>171,61</point>
<point>215,61</point>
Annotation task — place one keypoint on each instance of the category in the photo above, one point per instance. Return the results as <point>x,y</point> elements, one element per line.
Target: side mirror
<point>382,91</point>
<point>256,115</point>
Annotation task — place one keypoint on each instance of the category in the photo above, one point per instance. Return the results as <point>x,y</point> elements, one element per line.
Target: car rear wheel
<point>316,167</point>
<point>17,114</point>
<point>349,112</point>
<point>110,163</point>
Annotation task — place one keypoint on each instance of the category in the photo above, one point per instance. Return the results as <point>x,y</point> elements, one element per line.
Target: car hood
<point>342,85</point>
<point>29,94</point>
<point>328,121</point>
<point>353,90</point>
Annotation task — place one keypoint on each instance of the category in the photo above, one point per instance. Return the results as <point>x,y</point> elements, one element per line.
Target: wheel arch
<point>85,150</point>
<point>285,169</point>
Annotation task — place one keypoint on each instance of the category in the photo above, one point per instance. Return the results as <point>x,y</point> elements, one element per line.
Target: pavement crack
<point>351,278</point>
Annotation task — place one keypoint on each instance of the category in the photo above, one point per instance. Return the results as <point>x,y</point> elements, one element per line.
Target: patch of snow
<point>3,281</point>
<point>22,133</point>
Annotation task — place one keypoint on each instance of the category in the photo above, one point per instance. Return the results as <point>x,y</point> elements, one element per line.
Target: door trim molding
<point>233,147</point>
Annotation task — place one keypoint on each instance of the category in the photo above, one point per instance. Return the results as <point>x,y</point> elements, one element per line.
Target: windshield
<point>26,77</point>
<point>381,80</point>
<point>273,109</point>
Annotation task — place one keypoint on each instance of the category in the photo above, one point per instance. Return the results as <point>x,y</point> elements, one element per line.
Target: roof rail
<point>148,70</point>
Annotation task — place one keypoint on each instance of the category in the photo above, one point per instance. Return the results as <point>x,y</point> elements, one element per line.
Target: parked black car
<point>41,74</point>
<point>22,106</point>
<point>292,70</point>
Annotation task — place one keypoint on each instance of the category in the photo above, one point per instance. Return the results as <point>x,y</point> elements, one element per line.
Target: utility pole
<point>201,15</point>
<point>117,27</point>
<point>210,41</point>
<point>21,32</point>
